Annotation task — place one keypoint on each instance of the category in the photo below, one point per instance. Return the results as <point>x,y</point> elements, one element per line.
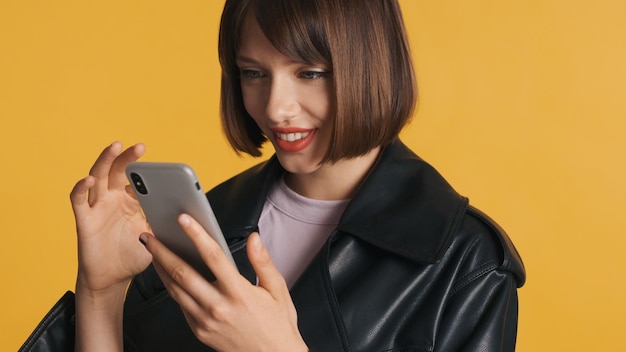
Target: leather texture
<point>55,332</point>
<point>411,267</point>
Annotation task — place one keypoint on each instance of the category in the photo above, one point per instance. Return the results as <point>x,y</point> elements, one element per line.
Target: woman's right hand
<point>108,223</point>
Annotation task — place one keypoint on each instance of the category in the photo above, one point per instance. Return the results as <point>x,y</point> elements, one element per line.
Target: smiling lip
<point>293,140</point>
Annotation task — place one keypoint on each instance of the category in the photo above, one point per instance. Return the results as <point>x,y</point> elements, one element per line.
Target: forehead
<point>254,45</point>
<point>295,35</point>
<point>251,36</point>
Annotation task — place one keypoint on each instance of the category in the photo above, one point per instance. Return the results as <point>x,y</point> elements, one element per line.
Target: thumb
<point>267,273</point>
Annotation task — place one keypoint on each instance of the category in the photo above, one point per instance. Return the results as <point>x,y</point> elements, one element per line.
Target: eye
<point>251,74</point>
<point>311,75</point>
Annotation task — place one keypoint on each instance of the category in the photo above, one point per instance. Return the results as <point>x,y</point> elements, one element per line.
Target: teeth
<point>292,137</point>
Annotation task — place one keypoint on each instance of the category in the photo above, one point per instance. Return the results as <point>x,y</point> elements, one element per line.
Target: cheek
<point>325,102</point>
<point>323,107</point>
<point>252,102</point>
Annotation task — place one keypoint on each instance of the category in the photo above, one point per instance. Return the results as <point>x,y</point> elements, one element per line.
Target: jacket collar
<point>404,206</point>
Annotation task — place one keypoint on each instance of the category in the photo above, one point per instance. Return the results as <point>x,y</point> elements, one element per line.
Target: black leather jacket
<point>410,267</point>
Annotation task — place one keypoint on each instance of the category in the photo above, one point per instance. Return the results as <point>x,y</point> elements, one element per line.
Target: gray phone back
<point>166,190</point>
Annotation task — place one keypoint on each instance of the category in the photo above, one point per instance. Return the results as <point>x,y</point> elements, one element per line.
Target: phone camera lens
<point>138,183</point>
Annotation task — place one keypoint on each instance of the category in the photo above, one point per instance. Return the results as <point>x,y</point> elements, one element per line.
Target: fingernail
<point>255,241</point>
<point>115,145</point>
<point>184,220</point>
<point>143,238</point>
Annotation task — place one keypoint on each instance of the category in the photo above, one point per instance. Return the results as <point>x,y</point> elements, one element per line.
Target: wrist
<point>94,284</point>
<point>98,319</point>
<point>103,298</point>
<point>299,345</point>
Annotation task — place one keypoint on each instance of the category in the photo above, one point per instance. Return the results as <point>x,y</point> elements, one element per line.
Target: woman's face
<point>290,101</point>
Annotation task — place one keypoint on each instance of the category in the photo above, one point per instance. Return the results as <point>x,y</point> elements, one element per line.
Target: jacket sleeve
<point>481,309</point>
<point>481,315</point>
<point>55,332</point>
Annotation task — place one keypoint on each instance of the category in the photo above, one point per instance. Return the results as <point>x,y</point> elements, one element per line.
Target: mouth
<point>293,140</point>
<point>292,137</point>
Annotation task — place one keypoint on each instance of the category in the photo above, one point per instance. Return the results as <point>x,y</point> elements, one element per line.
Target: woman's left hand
<point>229,314</point>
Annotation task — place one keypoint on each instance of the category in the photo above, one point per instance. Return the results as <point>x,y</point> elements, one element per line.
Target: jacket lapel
<point>404,206</point>
<point>319,316</point>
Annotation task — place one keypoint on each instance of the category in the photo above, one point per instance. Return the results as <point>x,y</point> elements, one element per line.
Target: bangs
<point>362,42</point>
<point>295,28</point>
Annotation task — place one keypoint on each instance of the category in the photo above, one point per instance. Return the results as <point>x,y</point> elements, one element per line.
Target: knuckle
<point>175,294</point>
<point>220,313</point>
<point>93,170</point>
<point>203,331</point>
<point>178,272</point>
<point>211,253</point>
<point>78,191</point>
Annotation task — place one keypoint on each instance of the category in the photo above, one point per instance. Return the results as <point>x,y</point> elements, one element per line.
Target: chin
<point>297,165</point>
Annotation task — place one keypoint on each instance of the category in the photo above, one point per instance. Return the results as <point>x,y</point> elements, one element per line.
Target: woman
<point>362,246</point>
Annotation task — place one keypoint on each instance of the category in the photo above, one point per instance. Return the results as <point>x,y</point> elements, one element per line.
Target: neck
<point>333,181</point>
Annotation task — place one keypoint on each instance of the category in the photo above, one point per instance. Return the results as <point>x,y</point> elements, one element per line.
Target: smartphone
<point>166,190</point>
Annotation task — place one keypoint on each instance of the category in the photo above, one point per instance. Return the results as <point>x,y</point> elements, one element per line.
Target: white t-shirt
<point>294,228</point>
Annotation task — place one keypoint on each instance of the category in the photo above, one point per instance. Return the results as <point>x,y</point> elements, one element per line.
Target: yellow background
<point>522,108</point>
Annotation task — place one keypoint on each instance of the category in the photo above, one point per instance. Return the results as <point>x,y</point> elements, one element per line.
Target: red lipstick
<point>293,139</point>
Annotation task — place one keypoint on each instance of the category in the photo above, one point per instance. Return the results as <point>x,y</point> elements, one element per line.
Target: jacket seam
<point>510,256</point>
<point>452,227</point>
<point>151,302</point>
<point>411,349</point>
<point>473,275</point>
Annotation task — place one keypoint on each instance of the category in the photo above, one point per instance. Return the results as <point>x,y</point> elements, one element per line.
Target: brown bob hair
<point>362,41</point>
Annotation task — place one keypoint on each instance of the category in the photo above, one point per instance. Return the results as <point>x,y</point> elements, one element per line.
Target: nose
<point>283,100</point>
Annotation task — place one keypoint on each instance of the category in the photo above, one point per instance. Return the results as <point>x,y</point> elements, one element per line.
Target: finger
<point>192,321</point>
<point>78,195</point>
<point>100,169</point>
<point>268,275</point>
<point>129,190</point>
<point>191,305</point>
<point>174,270</point>
<point>176,291</point>
<point>117,172</point>
<point>212,254</point>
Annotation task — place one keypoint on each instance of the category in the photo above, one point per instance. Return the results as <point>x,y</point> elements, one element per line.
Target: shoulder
<point>480,245</point>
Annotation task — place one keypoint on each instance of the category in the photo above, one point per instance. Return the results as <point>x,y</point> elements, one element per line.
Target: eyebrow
<point>243,59</point>
<point>246,59</point>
